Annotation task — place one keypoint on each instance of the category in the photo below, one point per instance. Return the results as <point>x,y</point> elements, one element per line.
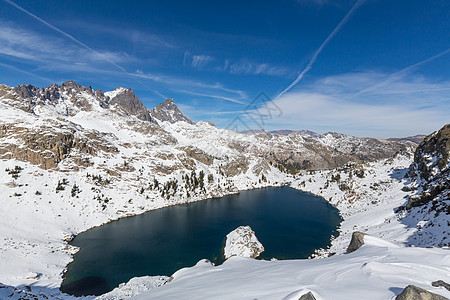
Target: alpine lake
<point>289,223</point>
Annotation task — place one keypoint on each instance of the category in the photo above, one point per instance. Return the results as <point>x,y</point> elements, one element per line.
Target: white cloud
<point>200,61</point>
<point>33,46</point>
<point>213,96</point>
<point>410,106</point>
<point>246,67</point>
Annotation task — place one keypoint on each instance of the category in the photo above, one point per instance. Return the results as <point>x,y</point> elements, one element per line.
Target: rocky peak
<point>127,100</point>
<point>71,84</point>
<point>169,112</point>
<point>26,90</point>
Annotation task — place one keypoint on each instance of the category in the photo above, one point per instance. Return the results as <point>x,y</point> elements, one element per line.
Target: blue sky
<point>377,68</point>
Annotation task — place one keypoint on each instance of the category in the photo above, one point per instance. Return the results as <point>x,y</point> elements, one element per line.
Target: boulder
<point>356,242</point>
<point>441,283</point>
<point>412,292</point>
<point>242,242</point>
<point>307,296</point>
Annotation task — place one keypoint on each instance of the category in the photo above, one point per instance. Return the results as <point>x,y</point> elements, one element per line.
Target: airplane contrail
<point>319,50</point>
<point>395,76</point>
<point>65,34</point>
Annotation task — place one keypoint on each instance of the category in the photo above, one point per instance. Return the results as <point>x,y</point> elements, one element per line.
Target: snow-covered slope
<point>72,159</point>
<point>378,270</point>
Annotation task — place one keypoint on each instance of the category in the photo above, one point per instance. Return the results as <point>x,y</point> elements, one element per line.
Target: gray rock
<point>430,170</point>
<point>356,242</point>
<point>441,283</point>
<point>412,292</point>
<point>131,104</point>
<point>307,296</point>
<point>168,111</point>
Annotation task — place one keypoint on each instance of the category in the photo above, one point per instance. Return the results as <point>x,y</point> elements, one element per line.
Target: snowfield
<point>378,270</point>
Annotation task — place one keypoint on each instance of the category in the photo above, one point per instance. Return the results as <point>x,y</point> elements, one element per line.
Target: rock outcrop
<point>129,103</point>
<point>431,171</point>
<point>442,283</point>
<point>307,296</point>
<point>412,292</point>
<point>168,112</point>
<point>242,242</point>
<point>356,242</point>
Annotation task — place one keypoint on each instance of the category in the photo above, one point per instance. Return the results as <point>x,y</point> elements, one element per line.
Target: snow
<point>242,242</point>
<point>378,270</point>
<point>36,222</point>
<point>117,91</point>
<point>134,286</point>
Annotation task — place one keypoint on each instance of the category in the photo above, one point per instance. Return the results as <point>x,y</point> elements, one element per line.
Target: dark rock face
<point>26,91</point>
<point>169,112</point>
<point>58,143</point>
<point>307,296</point>
<point>431,170</point>
<point>412,292</point>
<point>130,103</point>
<point>441,283</point>
<point>356,242</point>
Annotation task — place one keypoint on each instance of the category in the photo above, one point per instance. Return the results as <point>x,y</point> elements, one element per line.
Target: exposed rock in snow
<point>242,242</point>
<point>169,112</point>
<point>129,103</point>
<point>356,242</point>
<point>431,170</point>
<point>134,286</point>
<point>307,296</point>
<point>412,292</point>
<point>428,207</point>
<point>441,283</point>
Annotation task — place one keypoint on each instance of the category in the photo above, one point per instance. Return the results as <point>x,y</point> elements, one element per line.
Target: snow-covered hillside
<point>72,158</point>
<point>378,270</point>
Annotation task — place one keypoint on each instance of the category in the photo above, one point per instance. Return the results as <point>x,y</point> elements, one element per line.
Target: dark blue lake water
<point>289,223</point>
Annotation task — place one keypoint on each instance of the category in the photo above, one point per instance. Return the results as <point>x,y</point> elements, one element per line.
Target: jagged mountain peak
<point>70,98</point>
<point>127,100</point>
<point>168,111</point>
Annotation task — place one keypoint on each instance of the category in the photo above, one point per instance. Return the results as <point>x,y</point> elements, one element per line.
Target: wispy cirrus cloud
<point>247,67</point>
<point>214,96</point>
<point>138,38</point>
<point>33,46</point>
<point>200,61</point>
<point>195,87</point>
<point>409,106</point>
<point>66,35</point>
<point>390,78</point>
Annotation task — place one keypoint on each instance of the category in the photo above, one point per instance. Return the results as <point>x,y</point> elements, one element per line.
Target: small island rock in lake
<point>242,242</point>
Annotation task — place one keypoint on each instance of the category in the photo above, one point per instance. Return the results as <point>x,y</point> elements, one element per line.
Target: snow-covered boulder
<point>242,242</point>
<point>134,287</point>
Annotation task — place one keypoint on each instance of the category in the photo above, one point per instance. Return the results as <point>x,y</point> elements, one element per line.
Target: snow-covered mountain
<point>72,158</point>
